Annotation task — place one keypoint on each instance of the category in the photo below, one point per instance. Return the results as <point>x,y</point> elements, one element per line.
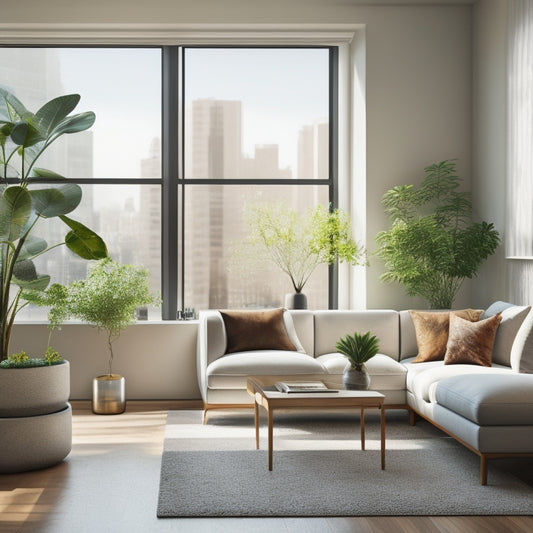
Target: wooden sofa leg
<point>484,465</point>
<point>205,415</point>
<point>412,419</point>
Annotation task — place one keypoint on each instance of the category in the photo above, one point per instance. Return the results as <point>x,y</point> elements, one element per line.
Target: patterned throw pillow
<point>431,329</point>
<point>471,343</point>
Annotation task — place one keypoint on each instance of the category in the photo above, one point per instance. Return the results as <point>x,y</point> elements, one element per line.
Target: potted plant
<point>35,418</point>
<point>358,348</point>
<point>298,243</point>
<point>432,244</point>
<point>106,299</point>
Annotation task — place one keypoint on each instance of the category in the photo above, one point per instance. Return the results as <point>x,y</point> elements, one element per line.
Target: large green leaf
<point>53,112</point>
<point>38,284</point>
<point>25,271</point>
<point>32,246</point>
<point>15,211</point>
<point>73,124</point>
<point>5,132</point>
<point>44,173</point>
<point>84,241</point>
<point>24,134</point>
<point>56,201</point>
<point>11,108</point>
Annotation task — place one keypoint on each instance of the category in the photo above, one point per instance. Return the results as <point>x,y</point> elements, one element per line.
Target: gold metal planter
<point>109,394</point>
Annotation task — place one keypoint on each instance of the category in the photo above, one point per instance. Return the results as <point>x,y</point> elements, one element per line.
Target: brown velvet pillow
<point>431,329</point>
<point>256,330</point>
<point>471,343</point>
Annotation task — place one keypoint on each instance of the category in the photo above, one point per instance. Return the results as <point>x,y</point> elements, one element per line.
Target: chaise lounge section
<point>486,406</point>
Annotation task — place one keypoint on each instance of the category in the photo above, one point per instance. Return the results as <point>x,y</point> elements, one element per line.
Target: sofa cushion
<point>257,330</point>
<point>423,383</point>
<point>513,317</point>
<point>231,371</point>
<point>471,342</point>
<point>330,326</point>
<point>385,372</point>
<point>431,330</point>
<point>489,400</point>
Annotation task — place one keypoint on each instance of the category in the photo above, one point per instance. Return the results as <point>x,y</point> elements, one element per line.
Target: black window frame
<point>173,179</point>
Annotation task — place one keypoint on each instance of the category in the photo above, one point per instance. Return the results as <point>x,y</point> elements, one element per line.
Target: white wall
<point>418,110</point>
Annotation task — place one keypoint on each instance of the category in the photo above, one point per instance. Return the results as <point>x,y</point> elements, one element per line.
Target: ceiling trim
<point>168,34</point>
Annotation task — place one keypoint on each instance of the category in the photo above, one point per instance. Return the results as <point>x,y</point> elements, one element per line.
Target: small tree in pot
<point>298,243</point>
<point>106,299</point>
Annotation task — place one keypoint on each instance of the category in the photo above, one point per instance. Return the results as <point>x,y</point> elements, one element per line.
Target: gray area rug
<point>319,469</point>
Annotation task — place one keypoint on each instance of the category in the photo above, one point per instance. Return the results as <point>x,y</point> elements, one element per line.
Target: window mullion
<point>169,191</point>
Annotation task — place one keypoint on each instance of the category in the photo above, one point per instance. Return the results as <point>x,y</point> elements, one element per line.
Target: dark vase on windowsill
<point>296,300</point>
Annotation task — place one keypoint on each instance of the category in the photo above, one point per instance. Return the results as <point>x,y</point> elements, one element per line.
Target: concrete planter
<point>35,417</point>
<point>34,391</point>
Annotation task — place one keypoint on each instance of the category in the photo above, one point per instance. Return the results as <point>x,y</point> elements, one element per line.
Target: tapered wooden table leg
<point>256,413</point>
<point>270,437</point>
<point>382,438</point>
<point>362,428</point>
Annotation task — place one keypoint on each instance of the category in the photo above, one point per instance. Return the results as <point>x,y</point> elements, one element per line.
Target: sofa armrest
<point>211,345</point>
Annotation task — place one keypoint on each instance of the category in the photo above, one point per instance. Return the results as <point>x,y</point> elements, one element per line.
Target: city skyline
<point>128,216</point>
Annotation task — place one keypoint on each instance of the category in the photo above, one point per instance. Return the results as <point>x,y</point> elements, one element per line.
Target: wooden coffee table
<point>266,395</point>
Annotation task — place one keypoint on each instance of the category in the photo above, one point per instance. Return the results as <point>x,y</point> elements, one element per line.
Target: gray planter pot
<point>35,442</point>
<point>34,391</point>
<point>296,300</point>
<point>356,380</point>
<point>35,417</point>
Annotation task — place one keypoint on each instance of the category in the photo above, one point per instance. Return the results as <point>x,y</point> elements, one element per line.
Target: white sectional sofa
<point>489,409</point>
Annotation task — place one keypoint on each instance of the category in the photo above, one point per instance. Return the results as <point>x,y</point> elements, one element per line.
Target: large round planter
<point>35,417</point>
<point>34,391</point>
<point>109,394</point>
<point>296,300</point>
<point>35,442</point>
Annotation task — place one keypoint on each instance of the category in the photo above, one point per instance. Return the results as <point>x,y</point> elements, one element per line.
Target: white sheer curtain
<point>519,235</point>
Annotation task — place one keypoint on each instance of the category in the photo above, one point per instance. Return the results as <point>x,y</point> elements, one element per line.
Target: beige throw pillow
<point>431,329</point>
<point>471,343</point>
<point>256,330</point>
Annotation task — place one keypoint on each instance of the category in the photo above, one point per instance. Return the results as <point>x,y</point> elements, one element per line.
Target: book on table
<point>302,386</point>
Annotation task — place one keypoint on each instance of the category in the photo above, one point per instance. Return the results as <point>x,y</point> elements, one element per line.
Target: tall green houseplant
<point>25,199</point>
<point>433,245</point>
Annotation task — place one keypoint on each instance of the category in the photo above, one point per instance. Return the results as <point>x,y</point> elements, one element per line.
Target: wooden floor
<point>109,484</point>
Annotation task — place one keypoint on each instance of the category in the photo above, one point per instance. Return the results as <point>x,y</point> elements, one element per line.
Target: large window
<point>185,139</point>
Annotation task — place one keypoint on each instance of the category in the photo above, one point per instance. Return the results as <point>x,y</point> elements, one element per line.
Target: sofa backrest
<point>330,326</point>
<point>304,324</point>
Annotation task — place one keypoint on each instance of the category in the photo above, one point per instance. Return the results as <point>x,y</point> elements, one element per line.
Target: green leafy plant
<point>358,348</point>
<point>106,299</point>
<point>22,360</point>
<point>298,243</point>
<point>25,199</point>
<point>432,244</point>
